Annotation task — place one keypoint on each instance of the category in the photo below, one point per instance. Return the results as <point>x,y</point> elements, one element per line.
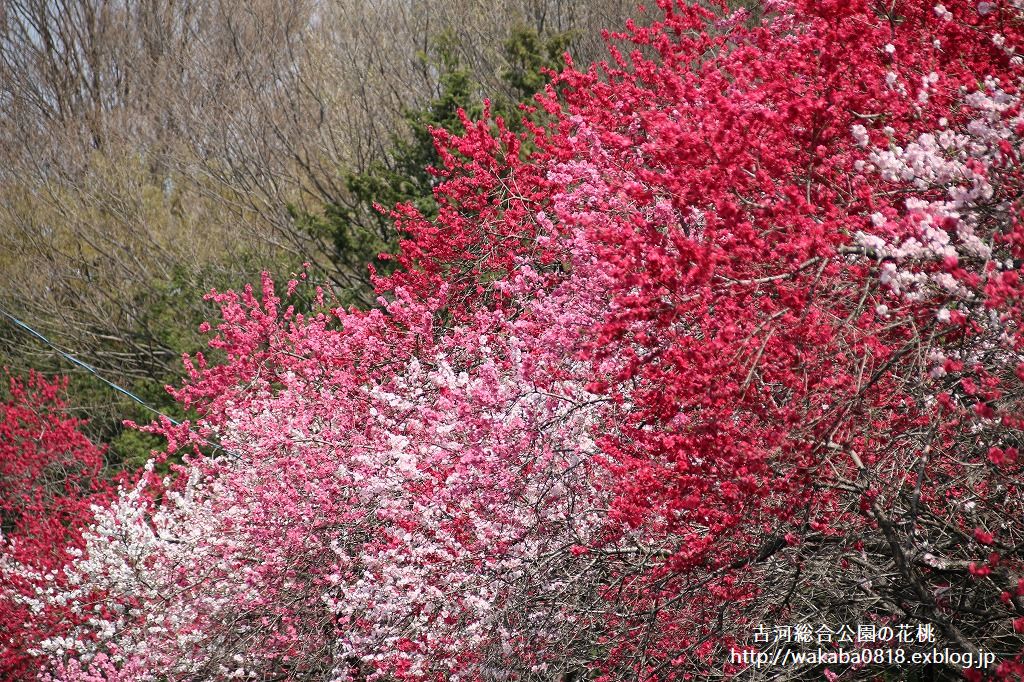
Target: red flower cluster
<point>50,475</point>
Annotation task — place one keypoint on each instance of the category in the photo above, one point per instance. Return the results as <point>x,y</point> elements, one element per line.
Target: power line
<point>84,365</point>
<point>92,370</point>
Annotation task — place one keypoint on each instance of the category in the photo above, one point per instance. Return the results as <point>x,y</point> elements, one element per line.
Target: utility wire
<point>84,365</point>
<point>92,370</point>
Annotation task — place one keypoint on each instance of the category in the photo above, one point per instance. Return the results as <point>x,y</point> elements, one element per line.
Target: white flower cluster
<point>950,220</point>
<point>432,574</point>
<point>955,163</point>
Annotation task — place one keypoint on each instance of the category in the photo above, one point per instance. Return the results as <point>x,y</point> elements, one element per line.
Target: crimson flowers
<point>50,475</point>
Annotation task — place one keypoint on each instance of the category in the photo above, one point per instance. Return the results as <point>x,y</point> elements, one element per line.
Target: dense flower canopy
<point>732,339</point>
<point>50,476</point>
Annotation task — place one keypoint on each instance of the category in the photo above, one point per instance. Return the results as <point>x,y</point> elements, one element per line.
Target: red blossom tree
<point>50,475</point>
<point>734,340</point>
